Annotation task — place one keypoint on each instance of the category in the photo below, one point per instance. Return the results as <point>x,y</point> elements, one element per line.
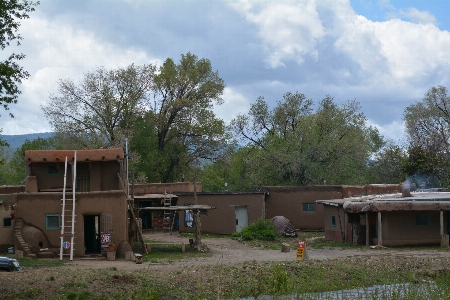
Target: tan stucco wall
<point>33,207</point>
<point>288,202</point>
<point>222,220</point>
<point>160,188</point>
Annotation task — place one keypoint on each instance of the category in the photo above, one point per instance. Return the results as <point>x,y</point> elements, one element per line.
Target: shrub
<point>262,230</point>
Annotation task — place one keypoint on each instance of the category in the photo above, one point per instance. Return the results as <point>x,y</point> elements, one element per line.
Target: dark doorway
<point>92,234</point>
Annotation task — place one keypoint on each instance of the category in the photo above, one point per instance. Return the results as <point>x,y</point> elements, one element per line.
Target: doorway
<point>241,218</point>
<point>92,234</point>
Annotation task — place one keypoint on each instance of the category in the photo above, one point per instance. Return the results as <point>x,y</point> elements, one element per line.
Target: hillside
<point>15,141</point>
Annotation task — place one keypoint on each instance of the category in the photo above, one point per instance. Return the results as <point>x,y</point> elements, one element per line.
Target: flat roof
<point>393,202</point>
<point>154,196</point>
<point>178,208</point>
<point>82,155</point>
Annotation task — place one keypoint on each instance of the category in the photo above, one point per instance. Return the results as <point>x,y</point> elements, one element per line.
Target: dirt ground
<point>229,251</point>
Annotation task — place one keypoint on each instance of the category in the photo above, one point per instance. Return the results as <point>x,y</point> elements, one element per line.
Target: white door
<point>241,218</point>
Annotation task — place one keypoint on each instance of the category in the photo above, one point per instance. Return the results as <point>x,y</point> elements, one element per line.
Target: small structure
<point>233,212</point>
<point>389,220</point>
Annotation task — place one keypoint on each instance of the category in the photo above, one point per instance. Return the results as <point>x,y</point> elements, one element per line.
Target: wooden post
<point>345,225</point>
<point>198,225</point>
<point>367,230</point>
<point>380,230</point>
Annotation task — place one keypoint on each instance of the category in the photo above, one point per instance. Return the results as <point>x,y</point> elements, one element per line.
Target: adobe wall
<point>8,197</point>
<point>103,175</point>
<point>222,220</point>
<point>369,189</point>
<point>400,229</point>
<point>333,233</point>
<point>6,233</point>
<point>170,188</point>
<point>33,208</point>
<point>288,202</point>
<point>11,189</point>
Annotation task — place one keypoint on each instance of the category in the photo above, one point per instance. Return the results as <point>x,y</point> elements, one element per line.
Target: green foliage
<point>12,172</point>
<point>389,165</point>
<point>100,110</point>
<point>427,126</point>
<point>294,145</point>
<point>262,230</point>
<point>11,74</point>
<point>182,130</point>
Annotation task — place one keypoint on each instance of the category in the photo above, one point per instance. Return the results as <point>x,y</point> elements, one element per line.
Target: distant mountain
<point>16,141</point>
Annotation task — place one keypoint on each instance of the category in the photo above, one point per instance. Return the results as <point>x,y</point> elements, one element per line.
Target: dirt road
<point>228,251</point>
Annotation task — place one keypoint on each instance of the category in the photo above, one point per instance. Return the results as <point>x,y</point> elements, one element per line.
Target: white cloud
<point>56,50</point>
<point>417,16</point>
<point>234,104</point>
<point>393,131</point>
<point>289,29</point>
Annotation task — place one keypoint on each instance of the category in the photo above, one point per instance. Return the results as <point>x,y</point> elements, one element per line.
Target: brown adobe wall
<point>33,207</point>
<point>103,175</point>
<point>160,188</point>
<point>374,189</point>
<point>333,233</point>
<point>222,220</point>
<point>288,202</point>
<point>10,189</point>
<point>400,229</point>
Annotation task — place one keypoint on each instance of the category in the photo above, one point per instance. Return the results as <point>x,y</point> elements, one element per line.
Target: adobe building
<point>389,220</point>
<point>233,211</point>
<point>100,201</point>
<point>8,196</point>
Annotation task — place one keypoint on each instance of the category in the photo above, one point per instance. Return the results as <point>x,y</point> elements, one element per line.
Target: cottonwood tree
<point>427,124</point>
<point>100,110</point>
<point>296,146</point>
<point>181,128</point>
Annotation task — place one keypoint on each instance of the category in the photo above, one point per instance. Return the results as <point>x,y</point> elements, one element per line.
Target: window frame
<point>309,206</point>
<point>10,223</point>
<point>47,227</point>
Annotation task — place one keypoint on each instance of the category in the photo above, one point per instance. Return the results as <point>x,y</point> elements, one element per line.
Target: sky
<point>385,54</point>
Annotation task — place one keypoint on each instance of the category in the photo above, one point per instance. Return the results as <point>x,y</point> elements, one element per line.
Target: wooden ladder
<point>167,213</point>
<point>68,214</point>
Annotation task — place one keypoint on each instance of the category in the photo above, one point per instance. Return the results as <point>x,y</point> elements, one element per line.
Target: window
<point>333,221</point>
<point>309,207</point>
<point>53,169</point>
<point>52,222</point>
<point>7,222</point>
<point>421,220</point>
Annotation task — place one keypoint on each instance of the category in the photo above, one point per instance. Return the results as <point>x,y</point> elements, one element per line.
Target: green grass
<point>40,263</point>
<point>168,253</point>
<point>250,279</point>
<point>205,235</point>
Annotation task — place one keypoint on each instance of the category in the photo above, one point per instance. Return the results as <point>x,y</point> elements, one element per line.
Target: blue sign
<point>66,245</point>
